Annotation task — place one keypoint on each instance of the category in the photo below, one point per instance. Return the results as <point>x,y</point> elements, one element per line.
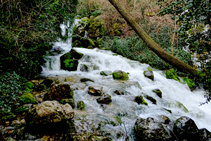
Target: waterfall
<point>172,91</point>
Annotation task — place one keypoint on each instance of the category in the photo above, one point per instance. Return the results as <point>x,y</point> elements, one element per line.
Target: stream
<point>123,108</point>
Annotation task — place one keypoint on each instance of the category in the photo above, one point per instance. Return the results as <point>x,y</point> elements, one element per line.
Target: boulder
<point>50,112</point>
<point>106,73</point>
<point>204,134</point>
<point>154,101</point>
<point>151,130</point>
<point>69,61</point>
<point>140,100</point>
<point>68,101</point>
<point>185,128</point>
<point>80,105</point>
<point>95,90</point>
<point>120,75</point>
<point>149,74</point>
<point>104,99</point>
<point>158,92</point>
<point>59,92</point>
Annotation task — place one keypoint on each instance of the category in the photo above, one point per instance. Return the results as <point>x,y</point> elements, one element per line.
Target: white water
<point>172,91</point>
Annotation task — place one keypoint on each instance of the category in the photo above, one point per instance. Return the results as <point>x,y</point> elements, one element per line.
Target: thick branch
<point>150,43</point>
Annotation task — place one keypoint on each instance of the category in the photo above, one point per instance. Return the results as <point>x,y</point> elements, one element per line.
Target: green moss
<point>172,74</point>
<point>69,101</point>
<point>20,109</point>
<point>151,99</point>
<point>29,85</point>
<point>28,98</point>
<point>190,83</point>
<point>80,105</point>
<point>158,92</point>
<point>120,75</point>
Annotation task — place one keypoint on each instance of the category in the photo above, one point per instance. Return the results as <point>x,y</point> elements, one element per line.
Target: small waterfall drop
<point>124,105</point>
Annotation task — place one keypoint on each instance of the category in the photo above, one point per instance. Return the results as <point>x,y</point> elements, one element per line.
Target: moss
<point>29,85</point>
<point>190,83</point>
<point>80,105</point>
<point>69,101</point>
<point>151,99</point>
<point>158,92</point>
<point>120,75</point>
<point>172,74</point>
<point>28,98</point>
<point>140,100</point>
<point>20,109</point>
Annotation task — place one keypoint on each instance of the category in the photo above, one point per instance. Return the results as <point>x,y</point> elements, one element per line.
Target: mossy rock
<point>47,82</point>
<point>69,61</point>
<point>158,92</point>
<point>190,83</point>
<point>28,98</point>
<point>69,101</point>
<point>149,74</point>
<point>59,92</point>
<point>140,100</point>
<point>104,99</point>
<point>106,73</point>
<point>172,74</point>
<point>154,101</point>
<point>80,105</point>
<point>120,75</point>
<point>84,68</point>
<point>29,85</point>
<point>86,79</point>
<point>40,87</point>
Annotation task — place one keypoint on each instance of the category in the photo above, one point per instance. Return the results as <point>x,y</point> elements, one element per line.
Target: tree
<point>151,44</point>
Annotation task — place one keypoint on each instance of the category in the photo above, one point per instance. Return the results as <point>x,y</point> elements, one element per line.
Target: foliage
<point>190,83</point>
<point>29,85</point>
<point>191,15</point>
<point>11,86</point>
<point>26,30</point>
<point>135,48</point>
<point>28,98</point>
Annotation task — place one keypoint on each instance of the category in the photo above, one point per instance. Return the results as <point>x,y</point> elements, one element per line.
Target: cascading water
<point>123,106</point>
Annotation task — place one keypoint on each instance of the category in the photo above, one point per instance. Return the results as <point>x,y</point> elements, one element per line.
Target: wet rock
<point>47,82</point>
<point>59,92</point>
<point>40,87</point>
<point>80,105</point>
<point>120,75</point>
<point>95,90</point>
<point>185,128</point>
<point>154,101</point>
<point>106,72</point>
<point>168,110</point>
<point>158,92</point>
<point>49,112</point>
<point>149,74</point>
<point>84,68</point>
<point>104,99</point>
<point>151,130</point>
<point>118,92</point>
<point>69,61</point>
<point>68,101</point>
<point>140,100</point>
<point>85,80</point>
<point>163,119</point>
<point>204,134</point>
<point>56,50</point>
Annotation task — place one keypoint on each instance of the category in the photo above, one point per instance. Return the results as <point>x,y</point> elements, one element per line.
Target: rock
<point>118,92</point>
<point>151,130</point>
<point>154,101</point>
<point>120,75</point>
<point>163,119</point>
<point>158,92</point>
<point>85,80</point>
<point>28,98</point>
<point>47,82</point>
<point>69,61</point>
<point>80,105</point>
<point>50,112</point>
<point>149,74</point>
<point>140,100</point>
<point>96,90</point>
<point>59,92</point>
<point>185,128</point>
<point>68,101</point>
<point>204,134</point>
<point>106,72</point>
<point>104,99</point>
<point>84,68</point>
<point>40,87</point>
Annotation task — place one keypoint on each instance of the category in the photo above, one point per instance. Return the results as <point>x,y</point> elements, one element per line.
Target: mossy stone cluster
<point>140,100</point>
<point>28,98</point>
<point>69,61</point>
<point>80,105</point>
<point>172,74</point>
<point>59,92</point>
<point>120,75</point>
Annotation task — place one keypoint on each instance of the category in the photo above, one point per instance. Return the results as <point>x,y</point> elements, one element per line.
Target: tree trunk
<point>150,43</point>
